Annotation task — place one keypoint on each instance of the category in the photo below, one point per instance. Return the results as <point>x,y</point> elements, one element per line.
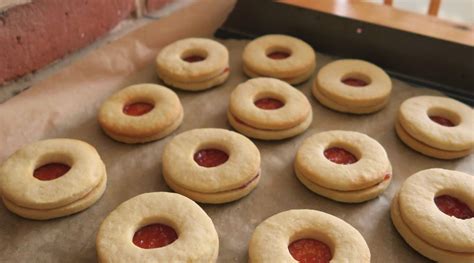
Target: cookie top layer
<point>414,116</point>
<point>294,111</point>
<point>22,188</point>
<point>272,237</point>
<point>370,167</point>
<point>171,63</point>
<point>329,82</point>
<point>300,60</point>
<point>179,164</point>
<point>197,238</point>
<point>166,111</point>
<point>420,212</point>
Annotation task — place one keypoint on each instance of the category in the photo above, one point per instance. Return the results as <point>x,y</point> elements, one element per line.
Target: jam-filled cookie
<point>345,166</point>
<point>269,109</point>
<point>141,113</point>
<point>193,64</point>
<point>433,212</point>
<point>307,236</point>
<point>52,178</point>
<point>211,165</point>
<point>438,127</point>
<point>157,227</point>
<point>353,86</point>
<point>279,56</point>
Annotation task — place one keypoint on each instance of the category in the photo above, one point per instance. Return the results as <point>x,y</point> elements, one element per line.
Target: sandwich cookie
<point>269,109</point>
<point>438,127</point>
<point>211,165</point>
<point>433,212</point>
<point>157,227</point>
<point>307,236</point>
<point>52,178</point>
<point>141,113</point>
<point>352,86</point>
<point>193,64</point>
<point>279,56</point>
<point>344,166</point>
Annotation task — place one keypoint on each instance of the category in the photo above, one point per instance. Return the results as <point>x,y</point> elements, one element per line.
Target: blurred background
<point>461,11</point>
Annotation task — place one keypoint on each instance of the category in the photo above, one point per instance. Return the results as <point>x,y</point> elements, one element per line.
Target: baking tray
<point>421,60</point>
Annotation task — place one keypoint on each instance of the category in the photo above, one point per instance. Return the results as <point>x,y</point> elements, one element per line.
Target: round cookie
<point>353,86</point>
<point>344,166</point>
<point>141,113</point>
<point>52,178</point>
<point>433,212</point>
<point>193,64</point>
<point>299,235</point>
<point>211,165</point>
<point>269,109</point>
<point>279,56</point>
<point>345,108</point>
<point>438,122</point>
<point>426,149</point>
<point>264,134</point>
<point>157,227</point>
<point>292,81</point>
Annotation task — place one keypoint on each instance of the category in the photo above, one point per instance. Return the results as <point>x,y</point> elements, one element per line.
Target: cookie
<point>193,64</point>
<point>433,212</point>
<point>279,56</point>
<point>438,127</point>
<point>307,236</point>
<point>352,86</point>
<point>211,165</point>
<point>141,113</point>
<point>52,178</point>
<point>269,109</point>
<point>345,166</point>
<point>157,227</point>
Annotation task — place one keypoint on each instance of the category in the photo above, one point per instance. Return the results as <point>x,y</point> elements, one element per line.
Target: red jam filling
<point>193,58</point>
<point>51,171</point>
<point>442,121</point>
<point>453,207</point>
<point>310,251</point>
<point>269,104</point>
<point>386,177</point>
<point>137,109</point>
<point>154,236</point>
<point>354,82</point>
<point>278,55</point>
<point>210,157</point>
<point>339,156</point>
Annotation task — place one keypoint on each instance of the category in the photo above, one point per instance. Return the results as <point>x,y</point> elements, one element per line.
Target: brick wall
<point>35,34</point>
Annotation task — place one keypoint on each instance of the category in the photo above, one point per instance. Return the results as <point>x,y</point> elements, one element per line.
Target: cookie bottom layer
<point>218,197</point>
<point>269,134</point>
<point>426,149</point>
<point>43,214</point>
<point>357,196</point>
<point>293,81</point>
<point>161,134</point>
<point>346,108</point>
<point>197,86</point>
<point>422,246</point>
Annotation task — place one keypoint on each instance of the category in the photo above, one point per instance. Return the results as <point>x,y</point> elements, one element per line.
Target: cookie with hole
<point>279,56</point>
<point>352,86</point>
<point>436,126</point>
<point>211,165</point>
<point>193,64</point>
<point>269,109</point>
<point>141,113</point>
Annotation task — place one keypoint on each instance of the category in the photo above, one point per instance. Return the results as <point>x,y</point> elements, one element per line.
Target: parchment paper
<point>65,105</point>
